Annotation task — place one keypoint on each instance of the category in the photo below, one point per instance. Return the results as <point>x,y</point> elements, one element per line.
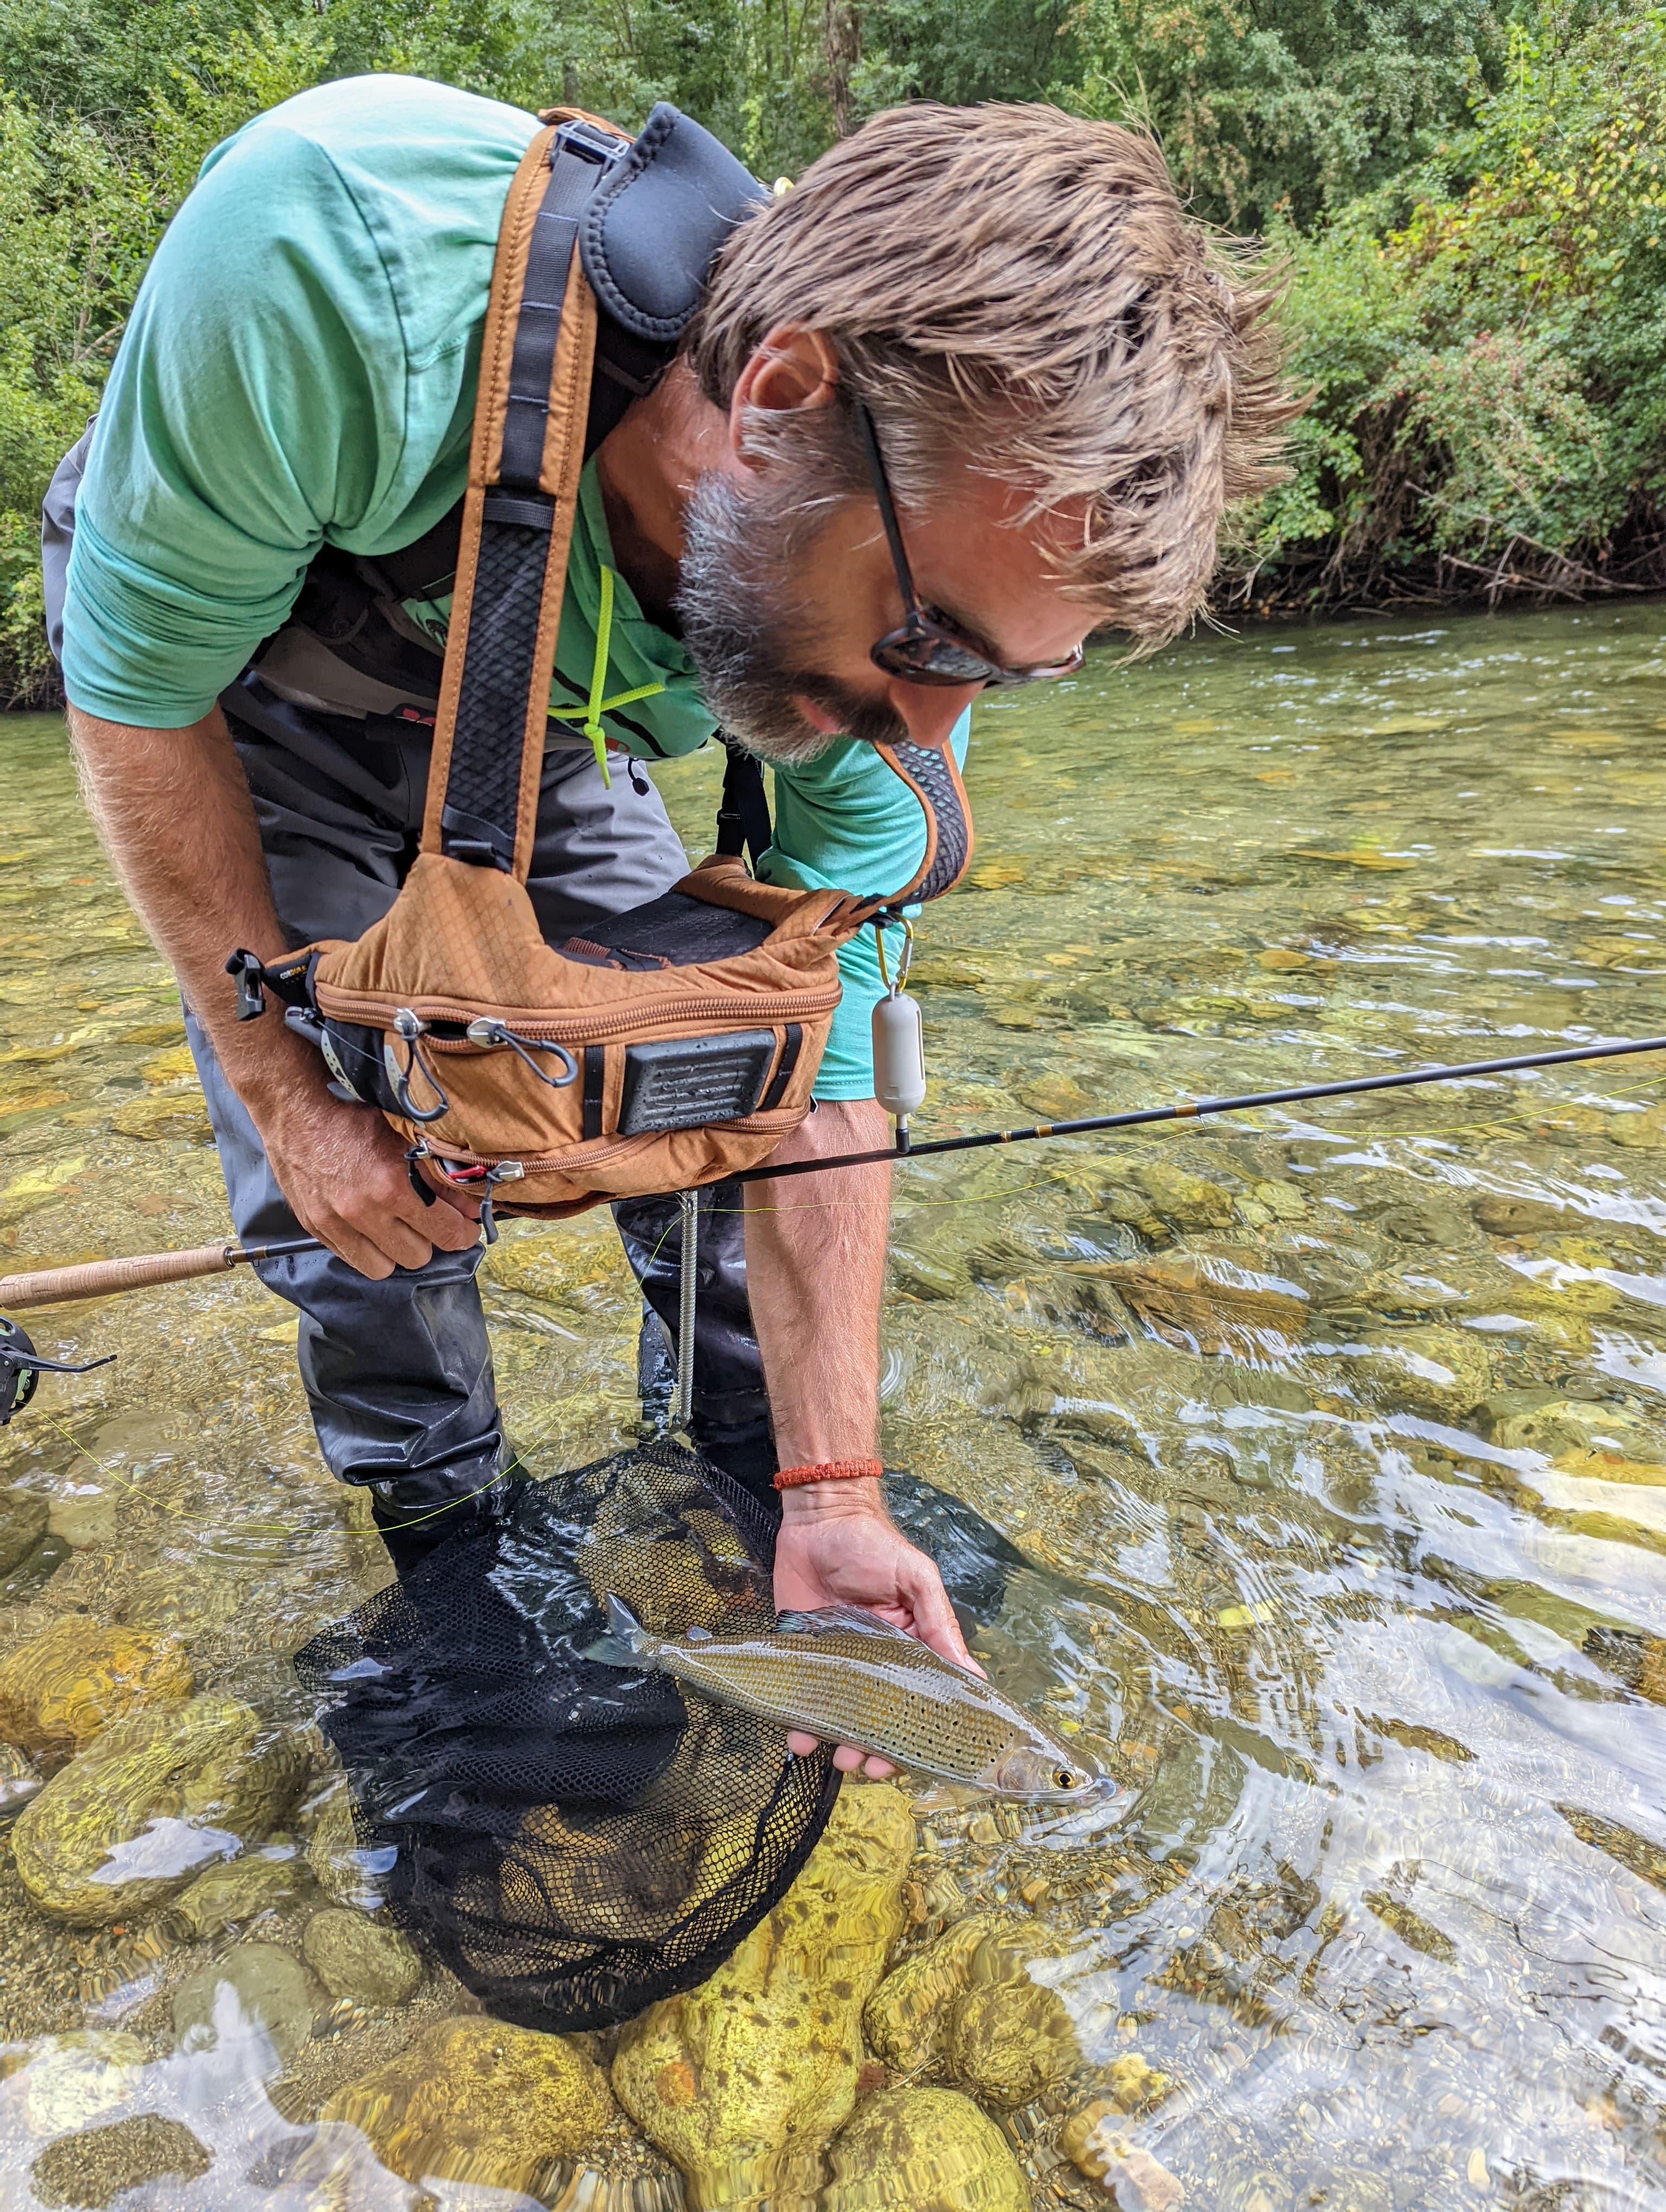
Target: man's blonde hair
<point>1020,290</point>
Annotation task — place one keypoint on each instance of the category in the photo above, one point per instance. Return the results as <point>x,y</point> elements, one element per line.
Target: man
<point>1068,386</point>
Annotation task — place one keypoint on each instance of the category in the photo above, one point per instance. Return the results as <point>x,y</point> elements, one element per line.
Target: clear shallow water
<point>1345,1429</point>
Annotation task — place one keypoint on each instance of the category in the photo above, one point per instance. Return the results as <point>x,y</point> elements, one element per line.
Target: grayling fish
<point>845,1675</point>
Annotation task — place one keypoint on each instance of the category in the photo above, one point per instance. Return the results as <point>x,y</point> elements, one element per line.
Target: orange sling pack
<point>682,1044</point>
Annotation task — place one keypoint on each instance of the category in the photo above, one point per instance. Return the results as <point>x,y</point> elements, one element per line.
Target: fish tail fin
<point>626,1642</point>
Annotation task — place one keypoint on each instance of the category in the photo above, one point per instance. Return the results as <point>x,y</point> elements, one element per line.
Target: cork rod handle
<point>103,1279</point>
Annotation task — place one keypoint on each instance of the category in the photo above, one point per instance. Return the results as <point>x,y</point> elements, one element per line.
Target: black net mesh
<point>574,1840</point>
<point>484,783</point>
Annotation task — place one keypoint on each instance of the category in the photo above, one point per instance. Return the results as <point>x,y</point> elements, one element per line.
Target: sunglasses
<point>927,647</point>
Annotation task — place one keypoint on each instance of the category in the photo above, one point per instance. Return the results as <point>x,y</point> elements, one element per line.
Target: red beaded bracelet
<point>830,1470</point>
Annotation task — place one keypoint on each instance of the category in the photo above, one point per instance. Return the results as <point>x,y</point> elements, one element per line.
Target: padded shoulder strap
<point>524,468</point>
<point>658,221</point>
<point>932,774</point>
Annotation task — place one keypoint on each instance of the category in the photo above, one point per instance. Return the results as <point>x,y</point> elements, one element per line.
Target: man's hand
<point>175,811</point>
<point>838,1545</point>
<point>344,1172</point>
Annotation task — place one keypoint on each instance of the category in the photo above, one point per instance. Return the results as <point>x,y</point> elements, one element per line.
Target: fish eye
<point>1064,1778</point>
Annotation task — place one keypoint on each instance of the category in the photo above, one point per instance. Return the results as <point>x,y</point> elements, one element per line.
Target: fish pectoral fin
<point>622,1621</point>
<point>826,1618</point>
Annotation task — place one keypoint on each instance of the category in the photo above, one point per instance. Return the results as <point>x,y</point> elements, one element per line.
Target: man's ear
<point>793,367</point>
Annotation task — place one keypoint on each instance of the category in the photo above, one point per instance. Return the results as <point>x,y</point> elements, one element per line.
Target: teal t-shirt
<point>299,370</point>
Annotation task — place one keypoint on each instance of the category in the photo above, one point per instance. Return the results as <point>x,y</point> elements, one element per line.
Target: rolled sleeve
<point>257,396</point>
<point>845,821</point>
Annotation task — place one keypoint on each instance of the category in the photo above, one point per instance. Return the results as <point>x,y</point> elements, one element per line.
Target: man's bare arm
<point>815,1270</point>
<point>175,816</point>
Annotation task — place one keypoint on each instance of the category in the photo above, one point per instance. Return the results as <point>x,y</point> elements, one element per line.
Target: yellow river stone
<point>742,2082</point>
<point>1011,2034</point>
<point>1137,2181</point>
<point>159,1795</point>
<point>474,2099</point>
<point>928,2149</point>
<point>72,2081</point>
<point>59,1690</point>
<point>907,2017</point>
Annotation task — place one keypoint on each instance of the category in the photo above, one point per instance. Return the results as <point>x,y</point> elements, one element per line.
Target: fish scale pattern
<point>485,762</point>
<point>575,1841</point>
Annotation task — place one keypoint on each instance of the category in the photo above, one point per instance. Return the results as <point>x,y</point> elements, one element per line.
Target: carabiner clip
<point>483,1030</point>
<point>410,1026</point>
<point>505,1171</point>
<point>905,963</point>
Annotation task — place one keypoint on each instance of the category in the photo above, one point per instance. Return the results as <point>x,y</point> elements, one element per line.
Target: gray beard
<point>737,607</point>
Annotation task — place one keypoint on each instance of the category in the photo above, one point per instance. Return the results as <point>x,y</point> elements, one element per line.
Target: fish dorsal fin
<point>826,1618</point>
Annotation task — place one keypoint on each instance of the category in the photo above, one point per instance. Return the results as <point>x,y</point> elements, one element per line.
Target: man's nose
<point>931,711</point>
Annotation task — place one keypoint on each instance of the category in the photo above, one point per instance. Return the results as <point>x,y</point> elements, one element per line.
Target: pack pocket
<point>683,1083</point>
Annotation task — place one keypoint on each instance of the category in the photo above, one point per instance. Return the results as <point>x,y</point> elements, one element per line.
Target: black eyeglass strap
<point>876,469</point>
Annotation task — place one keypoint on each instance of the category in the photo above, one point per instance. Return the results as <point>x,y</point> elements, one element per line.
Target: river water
<point>1333,1437</point>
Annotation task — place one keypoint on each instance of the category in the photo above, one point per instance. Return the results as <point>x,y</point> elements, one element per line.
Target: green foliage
<point>1471,201</point>
<point>1486,346</point>
<point>1283,106</point>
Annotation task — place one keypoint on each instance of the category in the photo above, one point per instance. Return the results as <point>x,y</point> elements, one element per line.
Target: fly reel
<point>22,1368</point>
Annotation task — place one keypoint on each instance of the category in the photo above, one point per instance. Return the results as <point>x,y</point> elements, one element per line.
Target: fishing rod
<point>98,1279</point>
<point>1195,1109</point>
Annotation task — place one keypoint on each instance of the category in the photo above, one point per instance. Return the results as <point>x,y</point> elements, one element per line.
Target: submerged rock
<point>357,1960</point>
<point>1184,1200</point>
<point>1135,2084</point>
<point>927,2149</point>
<point>907,2018</point>
<point>1138,2182</point>
<point>20,1783</point>
<point>1011,2036</point>
<point>1518,1217</point>
<point>1433,1369</point>
<point>23,1525</point>
<point>269,1987</point>
<point>343,1869</point>
<point>234,1895</point>
<point>474,2099</point>
<point>70,2081</point>
<point>59,1690</point>
<point>1211,1300</point>
<point>85,1518</point>
<point>93,2166</point>
<point>145,1807</point>
<point>742,2080</point>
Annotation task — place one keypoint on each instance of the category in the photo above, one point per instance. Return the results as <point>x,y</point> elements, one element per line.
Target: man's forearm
<point>175,816</point>
<point>815,1265</point>
<point>174,812</point>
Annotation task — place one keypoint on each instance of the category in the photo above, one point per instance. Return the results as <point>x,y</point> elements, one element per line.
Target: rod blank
<point>100,1278</point>
<point>1245,1102</point>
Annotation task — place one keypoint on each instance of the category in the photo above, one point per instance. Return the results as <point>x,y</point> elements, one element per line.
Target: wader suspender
<point>525,461</point>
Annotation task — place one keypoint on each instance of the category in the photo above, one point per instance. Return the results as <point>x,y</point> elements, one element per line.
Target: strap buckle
<point>588,141</point>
